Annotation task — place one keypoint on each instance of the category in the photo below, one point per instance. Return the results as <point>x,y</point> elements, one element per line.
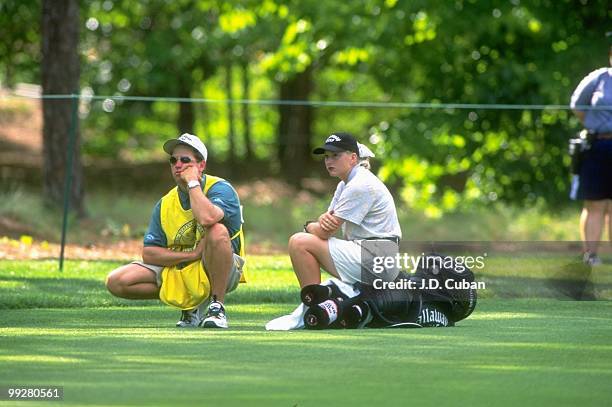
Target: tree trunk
<point>230,117</point>
<point>246,114</point>
<point>186,117</point>
<point>294,129</point>
<point>60,75</point>
<point>8,72</point>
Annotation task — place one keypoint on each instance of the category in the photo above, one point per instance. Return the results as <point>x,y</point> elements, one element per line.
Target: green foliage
<point>482,52</point>
<point>20,46</point>
<point>472,52</point>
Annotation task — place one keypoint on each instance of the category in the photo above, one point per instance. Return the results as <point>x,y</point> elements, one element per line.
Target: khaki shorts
<point>232,282</point>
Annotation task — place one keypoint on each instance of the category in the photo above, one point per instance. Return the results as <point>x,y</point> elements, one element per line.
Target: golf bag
<point>456,303</point>
<point>425,305</point>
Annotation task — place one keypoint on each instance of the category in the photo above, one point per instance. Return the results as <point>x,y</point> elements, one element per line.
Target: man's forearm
<point>315,228</point>
<point>204,211</point>
<point>161,256</point>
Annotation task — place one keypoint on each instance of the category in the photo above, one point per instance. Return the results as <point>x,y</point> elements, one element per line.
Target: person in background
<point>594,182</point>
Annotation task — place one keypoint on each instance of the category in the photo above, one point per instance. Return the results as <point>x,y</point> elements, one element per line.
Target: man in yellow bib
<point>193,249</point>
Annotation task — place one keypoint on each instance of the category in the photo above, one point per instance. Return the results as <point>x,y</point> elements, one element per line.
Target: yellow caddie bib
<point>185,286</point>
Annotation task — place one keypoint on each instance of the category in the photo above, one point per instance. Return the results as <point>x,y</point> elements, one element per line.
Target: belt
<point>390,238</point>
<point>603,136</point>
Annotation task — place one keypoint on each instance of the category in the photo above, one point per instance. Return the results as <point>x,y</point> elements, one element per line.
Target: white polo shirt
<point>366,206</point>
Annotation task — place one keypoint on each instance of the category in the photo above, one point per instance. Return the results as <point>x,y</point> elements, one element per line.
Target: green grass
<point>63,329</point>
<point>39,284</point>
<point>508,353</point>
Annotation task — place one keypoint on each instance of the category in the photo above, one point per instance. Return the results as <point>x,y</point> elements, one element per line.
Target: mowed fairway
<point>510,352</point>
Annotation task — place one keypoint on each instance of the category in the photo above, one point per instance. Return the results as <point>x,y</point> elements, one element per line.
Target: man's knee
<point>217,235</point>
<point>306,242</point>
<point>113,282</point>
<point>300,241</point>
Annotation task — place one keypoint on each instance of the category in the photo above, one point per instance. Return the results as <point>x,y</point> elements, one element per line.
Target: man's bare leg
<point>592,224</point>
<point>218,259</point>
<point>134,282</point>
<point>308,255</point>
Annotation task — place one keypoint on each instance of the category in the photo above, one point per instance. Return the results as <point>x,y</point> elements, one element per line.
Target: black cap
<point>338,142</point>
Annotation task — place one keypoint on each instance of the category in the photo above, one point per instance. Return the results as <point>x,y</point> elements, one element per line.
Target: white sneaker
<point>215,317</point>
<point>591,259</point>
<point>189,318</point>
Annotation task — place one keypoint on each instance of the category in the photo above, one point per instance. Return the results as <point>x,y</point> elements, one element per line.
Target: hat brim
<point>170,145</point>
<point>322,150</point>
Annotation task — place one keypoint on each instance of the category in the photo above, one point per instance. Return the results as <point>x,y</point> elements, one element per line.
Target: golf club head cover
<point>322,315</point>
<point>314,294</point>
<point>354,315</point>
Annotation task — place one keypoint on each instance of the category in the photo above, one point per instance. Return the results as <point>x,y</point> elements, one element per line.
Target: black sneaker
<point>215,317</point>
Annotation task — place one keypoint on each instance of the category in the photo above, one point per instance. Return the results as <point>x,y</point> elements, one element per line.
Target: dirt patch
<point>128,250</point>
<point>25,249</point>
<point>20,125</point>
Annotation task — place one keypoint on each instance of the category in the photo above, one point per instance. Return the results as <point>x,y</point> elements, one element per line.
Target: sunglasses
<point>184,160</point>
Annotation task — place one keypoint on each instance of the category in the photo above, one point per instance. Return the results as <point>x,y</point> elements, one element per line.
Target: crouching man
<point>193,241</point>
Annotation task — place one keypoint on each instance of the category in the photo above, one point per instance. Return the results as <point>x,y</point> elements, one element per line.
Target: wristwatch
<point>193,184</point>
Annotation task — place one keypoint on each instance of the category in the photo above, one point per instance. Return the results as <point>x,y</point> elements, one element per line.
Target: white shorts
<point>346,255</point>
<point>353,259</point>
<point>232,281</point>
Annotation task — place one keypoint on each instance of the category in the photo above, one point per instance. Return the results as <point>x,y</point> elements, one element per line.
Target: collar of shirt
<point>352,174</point>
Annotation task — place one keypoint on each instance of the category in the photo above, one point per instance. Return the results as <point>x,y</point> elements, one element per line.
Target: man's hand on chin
<point>189,173</point>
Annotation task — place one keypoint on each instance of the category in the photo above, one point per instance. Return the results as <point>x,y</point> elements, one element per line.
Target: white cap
<point>364,152</point>
<point>188,140</point>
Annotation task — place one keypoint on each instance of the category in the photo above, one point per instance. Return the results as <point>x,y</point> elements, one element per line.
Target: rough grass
<point>39,284</point>
<point>117,216</point>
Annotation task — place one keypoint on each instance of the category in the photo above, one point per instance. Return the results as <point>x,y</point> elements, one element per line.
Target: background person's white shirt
<point>366,206</point>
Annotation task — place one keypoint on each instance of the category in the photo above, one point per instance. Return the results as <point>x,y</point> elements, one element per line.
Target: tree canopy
<point>434,52</point>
